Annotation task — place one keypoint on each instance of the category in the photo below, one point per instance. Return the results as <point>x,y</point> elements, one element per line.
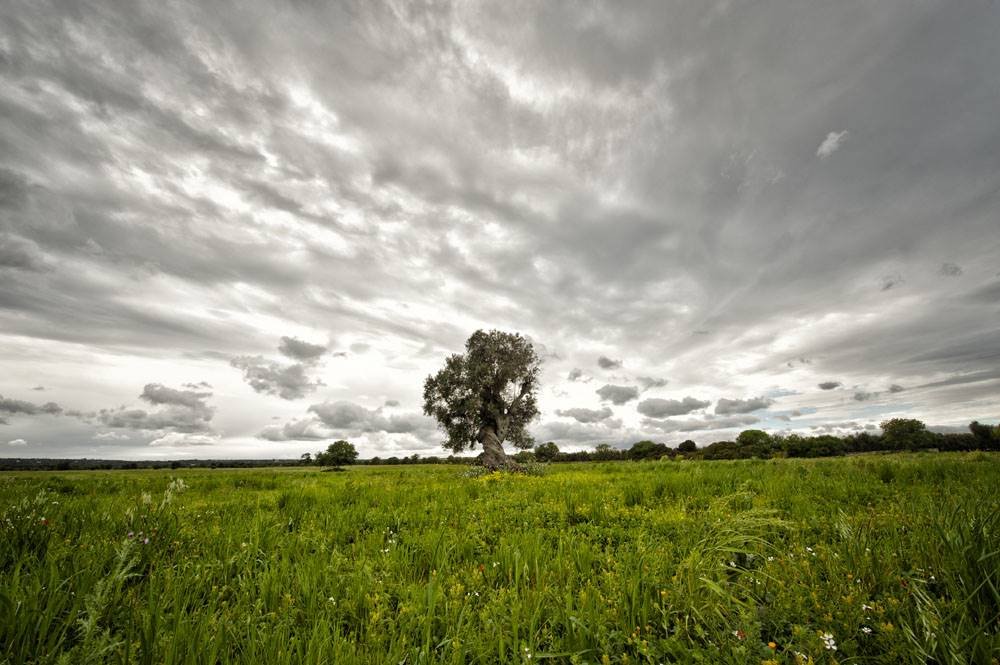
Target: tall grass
<point>890,561</point>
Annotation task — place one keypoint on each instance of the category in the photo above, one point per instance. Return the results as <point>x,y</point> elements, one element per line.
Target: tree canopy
<point>904,433</point>
<point>338,453</point>
<point>487,392</point>
<point>546,452</point>
<point>687,446</point>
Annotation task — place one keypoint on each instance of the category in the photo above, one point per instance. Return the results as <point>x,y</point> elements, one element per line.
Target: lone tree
<point>687,446</point>
<point>546,452</point>
<point>904,433</point>
<point>486,396</point>
<point>338,453</point>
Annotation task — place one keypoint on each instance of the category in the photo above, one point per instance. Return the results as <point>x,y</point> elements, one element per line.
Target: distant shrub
<point>687,446</point>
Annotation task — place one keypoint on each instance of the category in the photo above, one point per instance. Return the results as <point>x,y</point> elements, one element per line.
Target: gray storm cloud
<point>660,408</point>
<point>180,180</point>
<point>586,415</point>
<point>156,393</point>
<point>272,378</point>
<point>695,425</point>
<point>298,350</point>
<point>275,378</point>
<point>179,411</point>
<point>178,419</point>
<point>730,406</point>
<point>608,363</point>
<point>13,407</point>
<point>344,418</point>
<point>20,253</point>
<point>650,382</point>
<point>617,394</point>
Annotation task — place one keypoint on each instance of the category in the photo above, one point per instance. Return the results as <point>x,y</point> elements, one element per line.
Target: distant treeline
<point>85,464</point>
<point>898,435</point>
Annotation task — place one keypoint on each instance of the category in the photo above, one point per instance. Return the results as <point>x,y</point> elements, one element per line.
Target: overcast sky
<point>240,230</point>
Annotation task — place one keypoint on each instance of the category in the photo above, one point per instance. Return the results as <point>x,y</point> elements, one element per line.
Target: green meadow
<point>868,559</point>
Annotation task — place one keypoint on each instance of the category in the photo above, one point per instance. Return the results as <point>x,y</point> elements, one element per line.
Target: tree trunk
<point>493,457</point>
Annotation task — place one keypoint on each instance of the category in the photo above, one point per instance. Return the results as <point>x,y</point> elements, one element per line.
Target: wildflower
<point>772,645</point>
<point>145,541</point>
<point>866,607</point>
<point>131,534</point>
<point>866,630</point>
<point>739,634</point>
<point>44,522</point>
<point>828,642</point>
<point>770,558</point>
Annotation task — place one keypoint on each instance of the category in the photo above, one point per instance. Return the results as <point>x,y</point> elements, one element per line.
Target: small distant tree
<point>524,457</point>
<point>987,436</point>
<point>486,396</point>
<point>604,452</point>
<point>641,450</point>
<point>306,459</point>
<point>723,450</point>
<point>338,453</point>
<point>755,442</point>
<point>687,446</point>
<point>546,452</point>
<point>905,434</point>
<point>817,446</point>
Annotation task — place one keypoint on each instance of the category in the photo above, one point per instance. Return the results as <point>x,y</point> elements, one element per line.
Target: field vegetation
<point>866,559</point>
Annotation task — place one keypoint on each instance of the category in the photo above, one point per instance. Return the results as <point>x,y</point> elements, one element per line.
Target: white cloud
<point>111,436</point>
<point>831,144</point>
<point>180,440</point>
<point>17,442</point>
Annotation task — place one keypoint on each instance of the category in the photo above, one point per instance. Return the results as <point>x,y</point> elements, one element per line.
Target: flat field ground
<point>872,559</point>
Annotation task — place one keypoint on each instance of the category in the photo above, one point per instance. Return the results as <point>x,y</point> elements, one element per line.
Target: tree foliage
<point>546,452</point>
<point>687,446</point>
<point>491,386</point>
<point>647,450</point>
<point>338,453</point>
<point>904,434</point>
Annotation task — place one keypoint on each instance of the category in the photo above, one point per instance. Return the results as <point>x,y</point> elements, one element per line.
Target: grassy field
<point>882,559</point>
